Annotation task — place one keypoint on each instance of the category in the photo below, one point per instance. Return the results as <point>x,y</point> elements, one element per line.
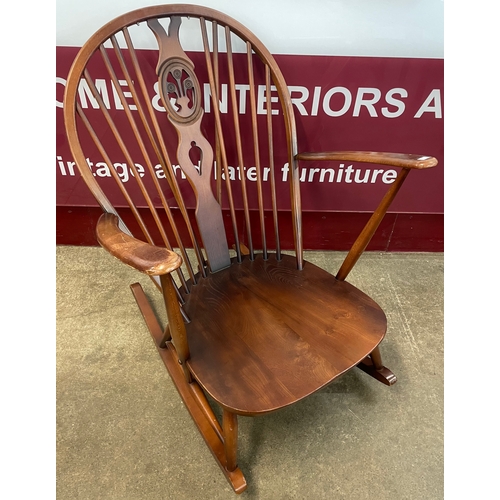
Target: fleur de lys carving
<point>179,87</point>
<point>181,90</point>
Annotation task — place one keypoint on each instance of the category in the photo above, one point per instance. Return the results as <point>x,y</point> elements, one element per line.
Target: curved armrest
<point>391,159</point>
<point>146,258</point>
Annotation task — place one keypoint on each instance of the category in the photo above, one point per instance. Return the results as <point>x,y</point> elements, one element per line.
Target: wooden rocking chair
<point>255,330</point>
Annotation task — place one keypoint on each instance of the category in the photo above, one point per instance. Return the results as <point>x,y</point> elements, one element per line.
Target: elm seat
<point>264,329</point>
<point>264,335</point>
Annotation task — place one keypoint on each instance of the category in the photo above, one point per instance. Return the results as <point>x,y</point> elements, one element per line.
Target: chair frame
<point>160,263</point>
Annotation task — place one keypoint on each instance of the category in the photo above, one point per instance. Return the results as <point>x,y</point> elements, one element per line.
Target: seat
<point>187,169</point>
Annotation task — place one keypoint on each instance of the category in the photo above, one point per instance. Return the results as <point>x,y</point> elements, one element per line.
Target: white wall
<point>383,28</point>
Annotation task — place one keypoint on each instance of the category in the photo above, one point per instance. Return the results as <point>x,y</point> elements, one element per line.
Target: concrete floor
<point>123,433</point>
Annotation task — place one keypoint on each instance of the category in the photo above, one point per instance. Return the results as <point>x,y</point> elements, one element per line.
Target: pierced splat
<point>178,88</point>
<point>196,156</point>
<point>193,145</point>
<point>180,92</point>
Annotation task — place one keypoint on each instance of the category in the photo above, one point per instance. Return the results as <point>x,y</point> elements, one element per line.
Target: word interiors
<point>335,102</point>
<point>340,174</point>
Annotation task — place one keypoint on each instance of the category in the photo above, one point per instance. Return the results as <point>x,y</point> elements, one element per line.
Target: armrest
<point>146,258</point>
<point>391,159</point>
<point>406,161</point>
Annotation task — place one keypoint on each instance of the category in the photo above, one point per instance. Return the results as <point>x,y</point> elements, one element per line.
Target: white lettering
<point>344,174</point>
<point>323,173</point>
<point>389,176</point>
<point>285,169</point>
<point>252,174</point>
<point>102,170</point>
<point>160,174</point>
<point>297,101</point>
<point>262,98</point>
<point>207,96</point>
<point>357,176</point>
<point>122,171</point>
<point>315,104</point>
<point>242,89</point>
<point>348,171</point>
<point>156,102</point>
<point>139,168</point>
<point>431,105</point>
<point>375,175</point>
<point>347,101</point>
<point>312,171</point>
<point>60,81</point>
<point>126,94</point>
<point>400,105</point>
<point>84,92</point>
<point>367,103</point>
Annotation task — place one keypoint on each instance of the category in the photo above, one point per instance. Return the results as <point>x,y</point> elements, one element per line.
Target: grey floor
<point>123,433</point>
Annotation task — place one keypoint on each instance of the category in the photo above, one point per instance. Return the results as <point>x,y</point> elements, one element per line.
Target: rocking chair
<point>202,211</point>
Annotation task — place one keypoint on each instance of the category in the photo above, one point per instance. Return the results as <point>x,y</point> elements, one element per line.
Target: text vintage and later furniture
<point>257,331</point>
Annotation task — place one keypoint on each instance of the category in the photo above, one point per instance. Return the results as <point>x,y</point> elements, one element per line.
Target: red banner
<point>341,103</point>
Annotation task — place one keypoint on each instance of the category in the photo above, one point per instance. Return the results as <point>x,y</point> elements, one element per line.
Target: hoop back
<point>180,123</point>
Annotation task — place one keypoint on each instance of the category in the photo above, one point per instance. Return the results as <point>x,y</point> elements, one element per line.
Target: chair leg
<point>222,442</point>
<point>373,366</point>
<point>230,430</point>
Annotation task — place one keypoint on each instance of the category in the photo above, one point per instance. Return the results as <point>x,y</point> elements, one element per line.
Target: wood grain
<point>391,159</point>
<point>264,335</point>
<point>146,258</point>
<point>260,331</point>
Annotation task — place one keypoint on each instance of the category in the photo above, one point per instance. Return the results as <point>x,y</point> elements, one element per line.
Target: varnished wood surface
<point>187,122</point>
<point>264,335</point>
<point>149,259</point>
<point>148,129</point>
<point>390,159</point>
<point>260,332</point>
<point>371,226</point>
<point>230,428</point>
<point>193,398</point>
